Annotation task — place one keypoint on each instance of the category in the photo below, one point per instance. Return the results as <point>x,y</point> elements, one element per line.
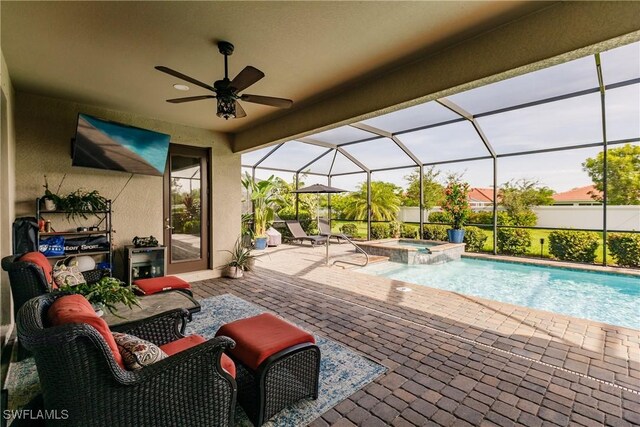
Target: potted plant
<point>241,260</point>
<point>456,204</point>
<point>50,199</point>
<point>79,203</point>
<point>264,197</point>
<point>105,293</point>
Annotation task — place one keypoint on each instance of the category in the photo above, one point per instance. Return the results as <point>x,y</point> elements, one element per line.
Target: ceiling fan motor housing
<point>225,48</point>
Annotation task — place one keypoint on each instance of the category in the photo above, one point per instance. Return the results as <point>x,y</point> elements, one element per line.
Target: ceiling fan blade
<point>246,78</point>
<point>240,111</point>
<point>268,100</point>
<point>184,77</point>
<point>189,99</point>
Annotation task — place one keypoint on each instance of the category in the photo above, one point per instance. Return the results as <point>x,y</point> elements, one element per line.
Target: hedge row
<point>625,249</point>
<point>581,246</point>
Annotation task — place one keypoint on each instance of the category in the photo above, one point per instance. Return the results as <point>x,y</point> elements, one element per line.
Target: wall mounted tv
<point>108,145</point>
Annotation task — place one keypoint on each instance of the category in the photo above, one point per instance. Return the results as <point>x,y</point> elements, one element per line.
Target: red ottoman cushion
<point>261,336</point>
<point>192,341</point>
<point>160,284</point>
<point>76,309</point>
<point>41,261</point>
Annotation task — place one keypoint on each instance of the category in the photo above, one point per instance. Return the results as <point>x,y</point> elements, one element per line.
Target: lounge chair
<point>325,230</point>
<point>299,234</point>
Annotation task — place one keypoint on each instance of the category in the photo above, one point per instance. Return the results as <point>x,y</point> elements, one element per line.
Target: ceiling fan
<point>227,91</point>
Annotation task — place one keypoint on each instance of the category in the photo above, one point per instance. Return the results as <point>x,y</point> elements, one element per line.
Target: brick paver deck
<point>452,359</point>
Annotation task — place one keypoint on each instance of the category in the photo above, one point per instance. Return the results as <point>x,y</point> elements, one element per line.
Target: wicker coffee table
<point>151,305</point>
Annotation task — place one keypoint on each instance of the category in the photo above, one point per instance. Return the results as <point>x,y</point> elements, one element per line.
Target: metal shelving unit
<point>104,216</point>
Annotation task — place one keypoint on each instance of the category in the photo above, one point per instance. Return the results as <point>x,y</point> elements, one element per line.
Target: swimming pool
<point>608,298</point>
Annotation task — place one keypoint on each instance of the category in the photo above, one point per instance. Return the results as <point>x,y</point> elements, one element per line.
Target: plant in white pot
<point>264,197</point>
<point>241,260</point>
<point>456,204</point>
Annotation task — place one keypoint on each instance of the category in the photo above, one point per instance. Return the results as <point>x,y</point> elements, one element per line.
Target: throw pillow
<point>136,352</point>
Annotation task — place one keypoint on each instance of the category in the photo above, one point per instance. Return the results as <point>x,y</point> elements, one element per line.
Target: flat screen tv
<point>108,145</point>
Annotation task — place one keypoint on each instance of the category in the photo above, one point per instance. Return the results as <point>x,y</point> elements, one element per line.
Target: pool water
<point>608,298</point>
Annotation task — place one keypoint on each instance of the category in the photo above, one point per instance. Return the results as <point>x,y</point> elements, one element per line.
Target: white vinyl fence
<point>587,217</point>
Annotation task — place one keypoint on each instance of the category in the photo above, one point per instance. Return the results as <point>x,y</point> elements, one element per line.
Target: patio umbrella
<point>320,189</point>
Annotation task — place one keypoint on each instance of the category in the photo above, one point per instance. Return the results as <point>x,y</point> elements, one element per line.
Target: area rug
<point>342,371</point>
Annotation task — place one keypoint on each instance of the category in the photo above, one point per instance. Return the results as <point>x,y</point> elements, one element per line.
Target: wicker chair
<point>79,374</point>
<point>27,280</point>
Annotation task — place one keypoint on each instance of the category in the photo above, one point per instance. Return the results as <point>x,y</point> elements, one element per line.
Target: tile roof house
<point>578,196</point>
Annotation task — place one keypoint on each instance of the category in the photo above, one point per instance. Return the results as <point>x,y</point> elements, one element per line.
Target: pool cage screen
<point>590,103</point>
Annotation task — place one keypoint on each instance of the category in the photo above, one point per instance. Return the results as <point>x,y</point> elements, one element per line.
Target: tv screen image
<point>108,145</point>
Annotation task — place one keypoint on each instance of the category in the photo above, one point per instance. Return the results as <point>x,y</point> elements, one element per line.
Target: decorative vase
<point>49,205</point>
<point>261,242</point>
<point>232,271</point>
<point>455,235</point>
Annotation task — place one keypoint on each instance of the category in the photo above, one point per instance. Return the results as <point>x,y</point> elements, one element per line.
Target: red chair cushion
<point>191,341</point>
<point>159,284</point>
<point>76,309</point>
<point>41,261</point>
<point>261,336</point>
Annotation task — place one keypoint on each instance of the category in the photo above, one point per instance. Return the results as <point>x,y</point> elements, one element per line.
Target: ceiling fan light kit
<point>227,91</point>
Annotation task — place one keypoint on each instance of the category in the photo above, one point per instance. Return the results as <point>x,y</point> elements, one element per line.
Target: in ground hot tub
<point>414,251</point>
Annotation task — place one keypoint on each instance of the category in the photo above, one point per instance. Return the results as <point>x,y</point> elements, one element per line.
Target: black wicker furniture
<point>79,374</point>
<point>277,364</point>
<point>30,276</point>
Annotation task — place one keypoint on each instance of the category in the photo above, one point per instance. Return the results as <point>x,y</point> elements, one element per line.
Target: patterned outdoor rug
<point>342,371</point>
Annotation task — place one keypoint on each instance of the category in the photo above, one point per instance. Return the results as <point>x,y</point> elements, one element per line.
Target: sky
<point>562,123</point>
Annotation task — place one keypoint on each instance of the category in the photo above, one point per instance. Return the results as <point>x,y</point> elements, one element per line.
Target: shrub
<point>483,217</point>
<point>408,231</point>
<point>379,231</point>
<point>435,232</point>
<point>569,245</point>
<point>349,229</point>
<point>394,229</point>
<point>625,249</point>
<point>441,217</point>
<point>474,238</point>
<point>513,241</point>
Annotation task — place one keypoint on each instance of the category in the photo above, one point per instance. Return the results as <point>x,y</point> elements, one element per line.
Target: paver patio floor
<point>452,359</point>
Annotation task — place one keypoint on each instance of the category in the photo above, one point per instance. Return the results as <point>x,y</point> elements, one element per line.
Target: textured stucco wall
<point>44,127</point>
<point>564,31</point>
<point>7,187</point>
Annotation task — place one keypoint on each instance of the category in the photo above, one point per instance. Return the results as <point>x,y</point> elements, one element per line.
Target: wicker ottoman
<point>277,364</point>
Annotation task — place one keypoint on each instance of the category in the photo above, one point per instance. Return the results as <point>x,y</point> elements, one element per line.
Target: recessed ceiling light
<point>181,87</point>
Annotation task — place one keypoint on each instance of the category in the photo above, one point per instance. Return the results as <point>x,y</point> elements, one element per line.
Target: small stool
<point>160,284</point>
<point>277,364</point>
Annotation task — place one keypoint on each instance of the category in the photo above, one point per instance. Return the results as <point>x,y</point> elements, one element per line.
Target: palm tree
<point>385,202</point>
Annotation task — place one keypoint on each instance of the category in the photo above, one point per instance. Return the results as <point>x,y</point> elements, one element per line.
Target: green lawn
<point>362,227</point>
<point>534,249</point>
